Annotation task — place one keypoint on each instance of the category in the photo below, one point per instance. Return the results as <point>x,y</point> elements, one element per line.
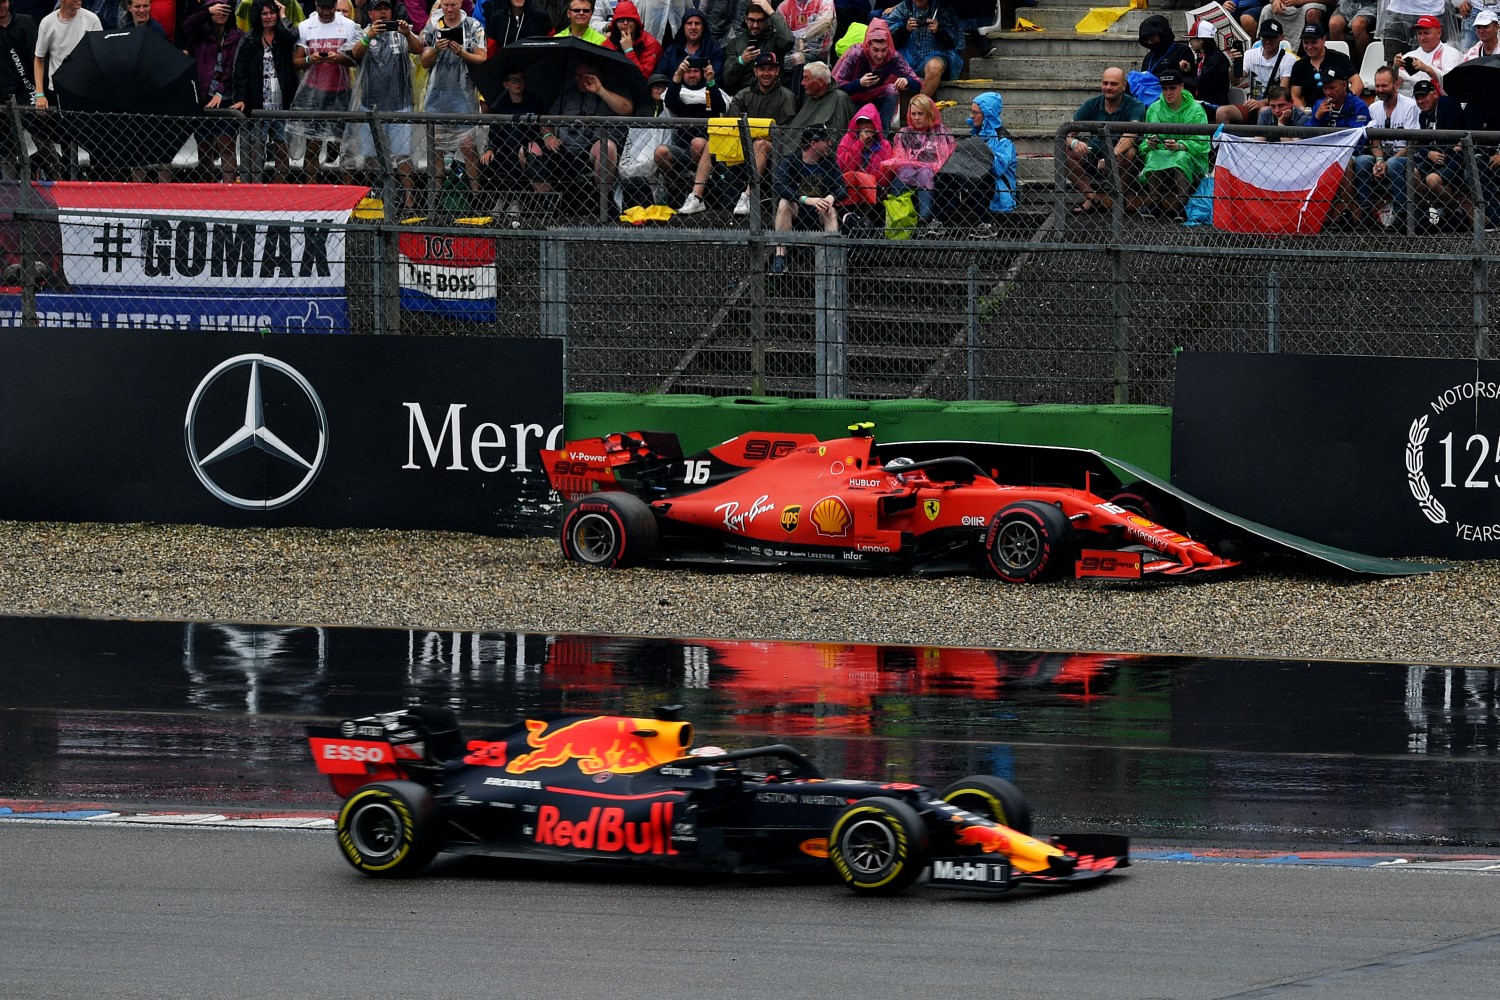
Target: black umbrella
<point>548,64</point>
<point>1475,80</point>
<point>150,86</point>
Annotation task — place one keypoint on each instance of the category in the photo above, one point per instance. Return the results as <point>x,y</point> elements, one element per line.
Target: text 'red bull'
<point>607,829</point>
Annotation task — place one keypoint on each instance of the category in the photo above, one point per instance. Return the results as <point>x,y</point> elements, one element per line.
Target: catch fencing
<point>466,236</point>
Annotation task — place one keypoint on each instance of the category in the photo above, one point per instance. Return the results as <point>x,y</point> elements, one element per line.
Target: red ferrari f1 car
<point>783,499</point>
<point>618,789</point>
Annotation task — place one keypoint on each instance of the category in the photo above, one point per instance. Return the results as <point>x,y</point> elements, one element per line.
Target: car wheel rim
<point>594,538</point>
<point>376,830</point>
<point>1018,544</point>
<point>869,847</point>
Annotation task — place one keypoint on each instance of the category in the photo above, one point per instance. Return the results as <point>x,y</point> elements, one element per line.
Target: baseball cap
<point>1427,21</point>
<point>1170,75</point>
<point>1422,88</point>
<point>767,58</point>
<point>816,132</point>
<point>1271,28</point>
<point>1204,29</point>
<point>1486,17</point>
<point>1311,30</point>
<point>328,3</point>
<point>379,3</point>
<point>1333,71</point>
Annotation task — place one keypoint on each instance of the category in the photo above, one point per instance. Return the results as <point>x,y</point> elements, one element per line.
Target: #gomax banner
<point>200,256</point>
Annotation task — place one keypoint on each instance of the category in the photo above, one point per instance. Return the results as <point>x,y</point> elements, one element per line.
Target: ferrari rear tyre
<point>878,846</point>
<point>612,530</point>
<point>1029,542</point>
<point>993,798</point>
<point>389,829</point>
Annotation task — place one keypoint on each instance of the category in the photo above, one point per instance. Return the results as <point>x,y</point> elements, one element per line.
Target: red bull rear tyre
<point>389,829</point>
<point>993,798</point>
<point>612,530</point>
<point>878,846</point>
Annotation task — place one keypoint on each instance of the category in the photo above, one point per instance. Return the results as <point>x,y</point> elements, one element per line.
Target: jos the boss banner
<point>450,276</point>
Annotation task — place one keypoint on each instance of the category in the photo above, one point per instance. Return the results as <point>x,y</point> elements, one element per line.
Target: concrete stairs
<point>1045,75</point>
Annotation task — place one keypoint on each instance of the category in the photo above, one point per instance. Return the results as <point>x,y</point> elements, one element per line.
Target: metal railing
<point>1040,304</point>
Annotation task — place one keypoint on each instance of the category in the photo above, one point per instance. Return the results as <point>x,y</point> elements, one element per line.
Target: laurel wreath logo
<point>1416,479</point>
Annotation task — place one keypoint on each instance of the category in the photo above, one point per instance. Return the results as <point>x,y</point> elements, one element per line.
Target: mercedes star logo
<point>254,435</point>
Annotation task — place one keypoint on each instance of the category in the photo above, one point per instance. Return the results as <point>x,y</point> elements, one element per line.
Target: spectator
<point>568,151</point>
<point>764,31</point>
<point>1163,50</point>
<point>18,35</point>
<point>985,122</point>
<point>1308,72</point>
<point>918,152</point>
<point>847,12</point>
<point>1281,110</point>
<point>384,83</point>
<point>244,15</point>
<point>1487,30</point>
<point>212,39</point>
<point>1398,20</point>
<point>1469,11</point>
<point>811,23</point>
<point>656,17</point>
<point>502,166</point>
<point>507,21</point>
<point>138,15</point>
<point>861,156</point>
<point>1268,64</point>
<point>1297,15</point>
<point>724,17</point>
<point>579,12</point>
<point>628,36</point>
<point>1208,79</point>
<point>1174,163</point>
<point>1385,162</point>
<point>265,78</point>
<point>930,41</point>
<point>1432,57</point>
<point>1339,108</point>
<point>873,72</point>
<point>1353,21</point>
<point>452,42</point>
<point>692,93</point>
<point>324,44</point>
<point>57,35</point>
<point>808,189</point>
<point>694,40</point>
<point>1247,13</point>
<point>765,98</point>
<point>1442,181</point>
<point>822,103</point>
<point>1088,159</point>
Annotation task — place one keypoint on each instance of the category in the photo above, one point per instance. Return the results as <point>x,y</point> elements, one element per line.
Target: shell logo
<point>831,516</point>
<point>1143,522</point>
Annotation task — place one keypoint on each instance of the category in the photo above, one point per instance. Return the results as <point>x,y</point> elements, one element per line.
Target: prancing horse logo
<point>253,432</point>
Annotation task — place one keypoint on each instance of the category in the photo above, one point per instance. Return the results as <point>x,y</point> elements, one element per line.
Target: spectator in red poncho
<point>862,151</point>
<point>626,34</point>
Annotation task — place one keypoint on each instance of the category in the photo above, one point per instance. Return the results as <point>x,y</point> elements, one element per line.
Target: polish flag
<point>1280,188</point>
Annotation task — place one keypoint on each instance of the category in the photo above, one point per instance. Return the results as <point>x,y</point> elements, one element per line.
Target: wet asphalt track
<point>144,912</point>
<point>1344,757</point>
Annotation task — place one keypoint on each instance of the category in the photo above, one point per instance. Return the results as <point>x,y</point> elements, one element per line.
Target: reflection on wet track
<point>1322,752</point>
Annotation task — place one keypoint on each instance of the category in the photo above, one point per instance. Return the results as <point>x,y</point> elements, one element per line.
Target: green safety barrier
<point>1140,435</point>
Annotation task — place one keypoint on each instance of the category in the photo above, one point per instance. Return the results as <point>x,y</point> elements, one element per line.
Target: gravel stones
<point>1284,608</point>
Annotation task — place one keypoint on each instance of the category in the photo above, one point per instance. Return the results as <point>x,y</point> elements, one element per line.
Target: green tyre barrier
<point>979,420</point>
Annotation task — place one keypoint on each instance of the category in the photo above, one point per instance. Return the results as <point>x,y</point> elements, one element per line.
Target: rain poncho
<point>916,154</point>
<point>1001,148</point>
<point>855,154</point>
<point>1192,155</point>
<point>855,64</point>
<point>449,87</point>
<point>325,86</point>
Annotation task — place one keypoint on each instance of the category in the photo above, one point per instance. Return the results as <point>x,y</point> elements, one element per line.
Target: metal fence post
<point>554,273</point>
<point>23,214</point>
<point>971,332</point>
<point>831,319</point>
<point>1273,312</point>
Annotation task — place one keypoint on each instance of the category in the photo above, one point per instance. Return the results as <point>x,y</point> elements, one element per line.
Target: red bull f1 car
<point>787,499</point>
<point>620,789</point>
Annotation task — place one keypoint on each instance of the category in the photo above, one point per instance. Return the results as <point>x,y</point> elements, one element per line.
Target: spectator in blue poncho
<point>984,121</point>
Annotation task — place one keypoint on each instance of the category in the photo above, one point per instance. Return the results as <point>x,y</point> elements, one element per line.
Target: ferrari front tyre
<point>993,798</point>
<point>1029,542</point>
<point>389,829</point>
<point>1155,506</point>
<point>612,530</point>
<point>878,846</point>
